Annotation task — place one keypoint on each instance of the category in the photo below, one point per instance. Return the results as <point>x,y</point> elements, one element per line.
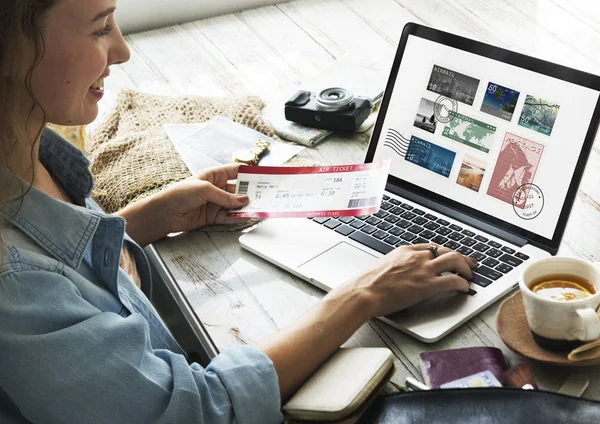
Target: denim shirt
<point>80,343</point>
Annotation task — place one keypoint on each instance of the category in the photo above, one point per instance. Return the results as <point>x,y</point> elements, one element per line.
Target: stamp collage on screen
<point>456,136</point>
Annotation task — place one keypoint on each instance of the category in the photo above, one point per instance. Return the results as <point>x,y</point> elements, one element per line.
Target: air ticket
<point>297,192</point>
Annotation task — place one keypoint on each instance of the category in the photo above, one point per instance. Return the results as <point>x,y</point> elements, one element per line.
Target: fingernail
<point>243,198</point>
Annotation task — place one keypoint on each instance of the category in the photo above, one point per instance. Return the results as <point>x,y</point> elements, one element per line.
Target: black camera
<point>333,109</point>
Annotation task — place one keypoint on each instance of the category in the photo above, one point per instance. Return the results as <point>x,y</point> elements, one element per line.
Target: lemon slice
<point>559,284</point>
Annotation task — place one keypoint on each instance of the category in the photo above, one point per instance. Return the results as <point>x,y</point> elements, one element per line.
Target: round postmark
<point>528,201</point>
<point>442,107</point>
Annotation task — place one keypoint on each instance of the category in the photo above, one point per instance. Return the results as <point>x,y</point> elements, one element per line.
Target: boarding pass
<point>297,192</point>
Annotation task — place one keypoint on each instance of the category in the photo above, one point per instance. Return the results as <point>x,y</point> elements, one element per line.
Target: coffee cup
<point>561,297</point>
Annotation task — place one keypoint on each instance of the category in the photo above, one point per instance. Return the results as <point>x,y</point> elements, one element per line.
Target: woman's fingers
<point>449,282</point>
<point>215,195</point>
<point>452,261</point>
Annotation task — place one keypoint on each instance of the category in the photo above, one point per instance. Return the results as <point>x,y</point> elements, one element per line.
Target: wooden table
<point>241,298</point>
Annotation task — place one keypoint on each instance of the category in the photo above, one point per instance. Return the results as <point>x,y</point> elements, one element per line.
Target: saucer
<point>512,327</point>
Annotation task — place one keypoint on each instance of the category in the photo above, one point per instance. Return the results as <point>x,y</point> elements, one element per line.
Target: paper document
<point>296,192</point>
<point>213,143</point>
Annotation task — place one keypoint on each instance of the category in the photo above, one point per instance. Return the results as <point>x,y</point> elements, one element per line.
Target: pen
<point>415,384</point>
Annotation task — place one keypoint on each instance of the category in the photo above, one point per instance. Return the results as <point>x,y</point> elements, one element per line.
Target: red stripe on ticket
<point>294,170</point>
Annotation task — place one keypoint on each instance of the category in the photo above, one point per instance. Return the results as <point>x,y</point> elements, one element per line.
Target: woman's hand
<point>187,205</point>
<point>410,274</point>
<point>202,200</point>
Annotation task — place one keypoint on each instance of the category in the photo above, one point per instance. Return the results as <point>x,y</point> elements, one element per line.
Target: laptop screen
<point>495,137</point>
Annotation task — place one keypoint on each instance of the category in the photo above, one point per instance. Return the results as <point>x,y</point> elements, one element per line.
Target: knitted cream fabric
<point>131,154</point>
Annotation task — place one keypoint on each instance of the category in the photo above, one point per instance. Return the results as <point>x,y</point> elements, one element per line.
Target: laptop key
<point>369,241</point>
<point>415,229</point>
<point>431,217</point>
<point>403,224</point>
<point>419,220</point>
<point>510,260</point>
<point>480,280</point>
<point>420,240</point>
<point>396,231</point>
<point>481,239</point>
<point>332,223</point>
<point>428,234</point>
<point>478,256</point>
<point>491,262</point>
<point>368,229</point>
<point>392,218</point>
<point>381,214</point>
<point>452,245</point>
<point>344,230</point>
<point>480,247</point>
<point>487,272</point>
<point>443,231</point>
<point>456,236</point>
<point>395,202</point>
<point>347,219</point>
<point>504,269</point>
<point>468,233</point>
<point>472,292</point>
<point>408,236</point>
<point>418,212</point>
<point>392,240</point>
<point>439,240</point>
<point>407,207</point>
<point>386,206</point>
<point>464,250</point>
<point>432,226</point>
<point>408,215</point>
<point>508,250</point>
<point>522,256</point>
<point>363,217</point>
<point>321,220</point>
<point>397,211</point>
<point>357,224</point>
<point>374,221</point>
<point>380,235</point>
<point>469,242</point>
<point>494,253</point>
<point>443,222</point>
<point>386,197</point>
<point>385,226</point>
<point>402,243</point>
<point>455,227</point>
<point>494,244</point>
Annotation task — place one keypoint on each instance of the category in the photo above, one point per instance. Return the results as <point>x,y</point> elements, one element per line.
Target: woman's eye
<point>104,31</point>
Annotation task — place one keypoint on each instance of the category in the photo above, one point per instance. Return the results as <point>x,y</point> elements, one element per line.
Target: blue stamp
<point>430,156</point>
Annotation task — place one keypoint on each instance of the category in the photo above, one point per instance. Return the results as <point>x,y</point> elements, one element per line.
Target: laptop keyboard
<point>400,224</point>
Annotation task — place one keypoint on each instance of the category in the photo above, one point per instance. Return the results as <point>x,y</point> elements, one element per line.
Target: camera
<point>333,109</point>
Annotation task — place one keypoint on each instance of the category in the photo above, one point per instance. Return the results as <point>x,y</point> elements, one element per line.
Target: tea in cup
<point>561,297</point>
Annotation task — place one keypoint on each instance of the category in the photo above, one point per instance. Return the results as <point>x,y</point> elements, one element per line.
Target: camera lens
<point>334,99</point>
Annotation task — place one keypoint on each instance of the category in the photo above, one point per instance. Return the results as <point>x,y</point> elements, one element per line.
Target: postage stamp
<point>453,84</point>
<point>469,131</point>
<point>500,101</point>
<point>517,165</point>
<point>425,118</point>
<point>539,115</point>
<point>430,156</point>
<point>471,173</point>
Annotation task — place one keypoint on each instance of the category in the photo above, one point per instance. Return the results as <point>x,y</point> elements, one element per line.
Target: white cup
<point>555,324</point>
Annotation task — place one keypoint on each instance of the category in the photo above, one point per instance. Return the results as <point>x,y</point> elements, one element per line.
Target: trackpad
<point>337,265</point>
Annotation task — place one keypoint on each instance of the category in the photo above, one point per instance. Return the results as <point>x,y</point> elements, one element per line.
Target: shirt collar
<point>62,229</point>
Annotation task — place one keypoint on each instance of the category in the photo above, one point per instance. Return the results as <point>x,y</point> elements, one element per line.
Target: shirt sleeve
<point>63,360</point>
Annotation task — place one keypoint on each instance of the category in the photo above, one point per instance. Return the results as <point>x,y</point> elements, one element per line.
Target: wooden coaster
<point>512,327</point>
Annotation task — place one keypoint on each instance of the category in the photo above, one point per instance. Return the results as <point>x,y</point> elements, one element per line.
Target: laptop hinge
<point>459,216</point>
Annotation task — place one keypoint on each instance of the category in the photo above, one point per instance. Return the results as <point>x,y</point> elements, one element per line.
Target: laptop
<point>487,151</point>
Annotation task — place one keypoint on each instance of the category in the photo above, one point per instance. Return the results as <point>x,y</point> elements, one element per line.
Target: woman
<point>79,340</point>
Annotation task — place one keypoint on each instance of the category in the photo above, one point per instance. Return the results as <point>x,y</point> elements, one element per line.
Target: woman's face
<point>82,41</point>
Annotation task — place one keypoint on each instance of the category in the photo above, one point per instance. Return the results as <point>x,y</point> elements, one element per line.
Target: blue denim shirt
<point>79,342</point>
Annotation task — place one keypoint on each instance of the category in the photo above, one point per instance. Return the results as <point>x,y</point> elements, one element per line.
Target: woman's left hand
<point>203,199</point>
<point>197,201</point>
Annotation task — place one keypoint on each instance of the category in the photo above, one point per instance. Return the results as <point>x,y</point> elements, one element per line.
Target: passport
<point>443,366</point>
